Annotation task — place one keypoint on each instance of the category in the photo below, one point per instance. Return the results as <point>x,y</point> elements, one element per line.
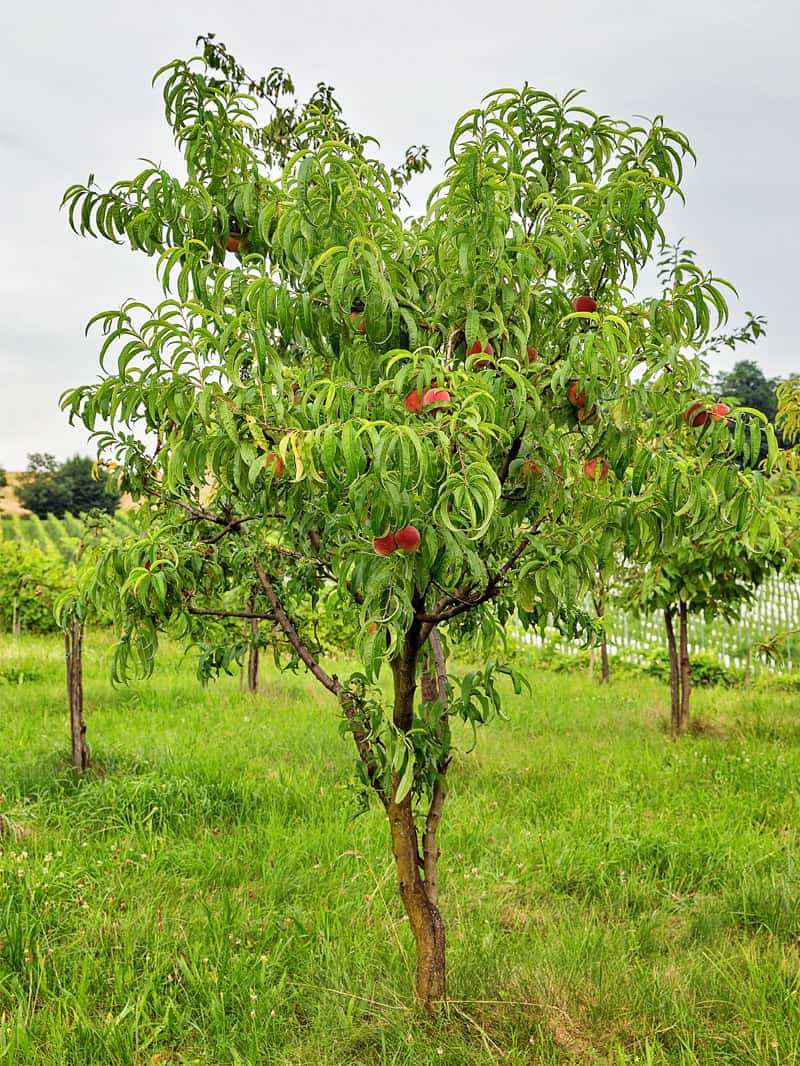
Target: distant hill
<point>9,504</point>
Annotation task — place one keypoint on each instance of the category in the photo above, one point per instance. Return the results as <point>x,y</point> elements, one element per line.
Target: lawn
<point>211,895</point>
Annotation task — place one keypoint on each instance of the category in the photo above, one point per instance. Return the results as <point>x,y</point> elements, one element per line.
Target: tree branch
<point>509,457</point>
<point>457,603</point>
<point>230,614</point>
<point>283,620</point>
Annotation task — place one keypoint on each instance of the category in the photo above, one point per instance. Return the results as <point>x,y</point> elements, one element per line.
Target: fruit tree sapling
<point>507,238</point>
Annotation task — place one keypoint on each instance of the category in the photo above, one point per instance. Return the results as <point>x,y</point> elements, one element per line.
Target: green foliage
<point>3,478</point>
<point>30,582</point>
<point>73,486</point>
<point>302,312</point>
<point>703,669</point>
<point>788,415</point>
<point>747,384</point>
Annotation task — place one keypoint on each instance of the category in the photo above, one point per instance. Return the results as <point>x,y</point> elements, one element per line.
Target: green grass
<point>206,896</point>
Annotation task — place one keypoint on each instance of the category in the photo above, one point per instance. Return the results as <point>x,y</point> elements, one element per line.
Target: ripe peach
<point>696,415</point>
<point>590,469</point>
<point>413,402</point>
<point>435,396</point>
<point>577,399</point>
<point>408,539</point>
<point>385,545</point>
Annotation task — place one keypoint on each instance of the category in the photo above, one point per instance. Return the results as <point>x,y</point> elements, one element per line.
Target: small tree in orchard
<point>440,417</point>
<point>714,576</point>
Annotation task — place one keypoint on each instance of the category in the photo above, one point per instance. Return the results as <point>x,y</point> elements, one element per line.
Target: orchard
<point>453,420</point>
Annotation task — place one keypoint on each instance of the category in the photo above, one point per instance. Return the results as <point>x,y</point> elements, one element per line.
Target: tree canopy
<point>449,418</point>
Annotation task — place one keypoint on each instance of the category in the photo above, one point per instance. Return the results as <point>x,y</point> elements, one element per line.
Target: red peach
<point>408,539</point>
<point>590,469</point>
<point>584,303</point>
<point>413,402</point>
<point>385,545</point>
<point>696,415</point>
<point>577,399</point>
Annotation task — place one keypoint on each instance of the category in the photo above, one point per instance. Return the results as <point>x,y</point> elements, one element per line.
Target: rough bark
<point>424,918</point>
<point>73,643</point>
<point>417,893</point>
<point>674,676</point>
<point>686,681</point>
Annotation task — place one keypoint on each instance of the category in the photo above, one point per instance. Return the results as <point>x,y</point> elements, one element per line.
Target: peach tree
<point>445,418</point>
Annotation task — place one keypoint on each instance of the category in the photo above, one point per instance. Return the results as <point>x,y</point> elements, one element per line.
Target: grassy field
<point>206,896</point>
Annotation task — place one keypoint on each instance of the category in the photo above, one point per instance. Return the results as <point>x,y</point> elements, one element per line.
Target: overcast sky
<point>76,98</point>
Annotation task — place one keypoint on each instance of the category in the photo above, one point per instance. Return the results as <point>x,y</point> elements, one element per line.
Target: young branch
<point>283,620</point>
<point>230,614</point>
<point>454,604</point>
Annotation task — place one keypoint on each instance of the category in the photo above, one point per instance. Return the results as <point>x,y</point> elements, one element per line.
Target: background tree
<point>437,416</point>
<point>715,575</point>
<point>74,486</point>
<point>3,478</point>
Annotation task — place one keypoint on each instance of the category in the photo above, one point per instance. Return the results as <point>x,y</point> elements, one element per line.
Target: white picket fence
<point>775,609</point>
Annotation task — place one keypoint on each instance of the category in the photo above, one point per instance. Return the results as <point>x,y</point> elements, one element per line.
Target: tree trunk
<point>674,676</point>
<point>600,610</point>
<point>424,917</point>
<point>73,642</point>
<point>748,664</point>
<point>16,623</point>
<point>417,893</point>
<point>252,660</point>
<point>686,681</point>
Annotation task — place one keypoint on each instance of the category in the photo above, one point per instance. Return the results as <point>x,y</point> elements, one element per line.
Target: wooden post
<point>252,657</point>
<point>686,680</point>
<point>73,641</point>
<point>600,610</point>
<point>674,675</point>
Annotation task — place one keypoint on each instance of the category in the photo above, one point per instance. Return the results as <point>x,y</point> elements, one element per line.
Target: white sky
<point>75,98</point>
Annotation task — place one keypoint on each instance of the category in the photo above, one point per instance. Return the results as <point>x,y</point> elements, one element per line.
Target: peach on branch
<point>584,304</point>
<point>385,545</point>
<point>408,539</point>
<point>577,399</point>
<point>595,469</point>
